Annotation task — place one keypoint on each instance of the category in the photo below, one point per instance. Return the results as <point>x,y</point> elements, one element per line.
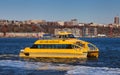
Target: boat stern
<point>93,51</point>
<point>93,54</point>
<point>23,53</point>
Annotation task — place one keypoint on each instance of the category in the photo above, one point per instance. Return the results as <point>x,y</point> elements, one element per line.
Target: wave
<point>86,70</point>
<point>8,55</point>
<point>34,65</point>
<point>70,69</point>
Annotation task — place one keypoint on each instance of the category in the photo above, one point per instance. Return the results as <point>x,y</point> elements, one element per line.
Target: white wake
<point>70,69</point>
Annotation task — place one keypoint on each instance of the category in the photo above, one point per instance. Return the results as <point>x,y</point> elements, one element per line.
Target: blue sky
<point>97,11</point>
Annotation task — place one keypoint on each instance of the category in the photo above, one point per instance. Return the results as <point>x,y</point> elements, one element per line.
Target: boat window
<point>62,36</point>
<point>34,46</point>
<point>91,47</point>
<point>49,46</point>
<point>80,44</point>
<point>67,36</point>
<point>69,46</point>
<point>53,46</point>
<point>39,46</point>
<point>71,36</point>
<point>64,46</point>
<point>74,46</point>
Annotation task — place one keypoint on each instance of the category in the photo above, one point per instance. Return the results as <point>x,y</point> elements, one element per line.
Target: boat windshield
<point>91,46</point>
<point>67,36</point>
<point>71,36</point>
<point>53,46</point>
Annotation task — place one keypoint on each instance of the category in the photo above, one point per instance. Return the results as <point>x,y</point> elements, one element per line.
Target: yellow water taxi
<point>65,45</point>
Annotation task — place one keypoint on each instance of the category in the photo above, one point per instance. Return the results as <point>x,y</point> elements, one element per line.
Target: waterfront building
<point>20,34</point>
<point>86,32</point>
<point>75,31</point>
<point>61,23</point>
<point>35,21</point>
<point>95,32</point>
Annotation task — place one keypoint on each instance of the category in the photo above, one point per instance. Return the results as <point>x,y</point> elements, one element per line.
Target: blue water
<point>108,62</point>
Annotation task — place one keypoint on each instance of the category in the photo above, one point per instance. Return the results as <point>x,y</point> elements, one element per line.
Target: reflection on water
<point>57,60</point>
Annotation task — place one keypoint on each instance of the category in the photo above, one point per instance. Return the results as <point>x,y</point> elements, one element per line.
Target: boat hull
<point>93,54</point>
<point>52,55</point>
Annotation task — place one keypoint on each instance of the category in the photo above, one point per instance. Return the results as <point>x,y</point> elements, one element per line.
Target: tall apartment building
<point>116,20</point>
<point>74,22</point>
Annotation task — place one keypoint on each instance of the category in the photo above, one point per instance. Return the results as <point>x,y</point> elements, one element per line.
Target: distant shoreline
<point>39,35</point>
<point>21,35</point>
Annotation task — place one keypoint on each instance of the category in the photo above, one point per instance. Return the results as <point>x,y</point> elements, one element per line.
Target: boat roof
<point>64,33</point>
<point>60,41</point>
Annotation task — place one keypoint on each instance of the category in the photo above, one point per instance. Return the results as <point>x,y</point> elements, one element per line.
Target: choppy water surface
<point>108,62</point>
